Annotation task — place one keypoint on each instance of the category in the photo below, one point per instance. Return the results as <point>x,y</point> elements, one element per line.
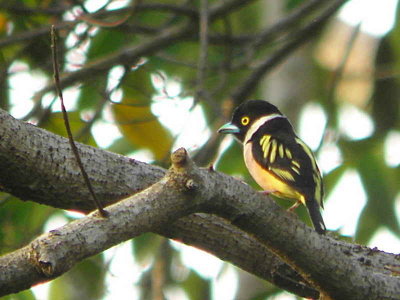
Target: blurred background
<point>331,66</point>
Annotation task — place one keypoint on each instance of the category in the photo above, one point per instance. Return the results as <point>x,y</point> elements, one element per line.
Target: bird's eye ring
<point>245,121</point>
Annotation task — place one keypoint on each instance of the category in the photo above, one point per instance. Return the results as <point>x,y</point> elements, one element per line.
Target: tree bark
<point>338,270</point>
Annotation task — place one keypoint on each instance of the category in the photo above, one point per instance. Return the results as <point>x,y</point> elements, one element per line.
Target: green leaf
<point>197,287</point>
<point>106,41</point>
<point>20,222</point>
<point>332,178</point>
<point>246,20</point>
<point>231,161</point>
<point>92,94</point>
<point>135,119</point>
<point>145,246</point>
<point>292,4</point>
<point>55,123</point>
<point>84,281</point>
<point>385,98</point>
<point>379,183</point>
<point>25,295</point>
<point>121,146</point>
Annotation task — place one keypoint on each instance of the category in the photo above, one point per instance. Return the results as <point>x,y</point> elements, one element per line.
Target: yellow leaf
<point>3,22</point>
<point>135,119</point>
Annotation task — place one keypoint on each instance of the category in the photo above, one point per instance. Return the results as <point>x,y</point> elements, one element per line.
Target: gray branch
<point>339,270</point>
<point>41,168</point>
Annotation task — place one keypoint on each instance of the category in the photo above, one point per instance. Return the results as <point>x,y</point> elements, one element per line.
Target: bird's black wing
<point>288,158</point>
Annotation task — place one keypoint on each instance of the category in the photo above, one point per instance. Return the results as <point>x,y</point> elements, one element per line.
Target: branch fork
<point>184,190</point>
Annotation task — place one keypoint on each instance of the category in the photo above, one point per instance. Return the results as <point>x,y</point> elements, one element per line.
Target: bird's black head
<point>246,114</point>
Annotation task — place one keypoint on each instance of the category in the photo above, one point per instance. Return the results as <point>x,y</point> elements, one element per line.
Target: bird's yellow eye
<point>245,121</point>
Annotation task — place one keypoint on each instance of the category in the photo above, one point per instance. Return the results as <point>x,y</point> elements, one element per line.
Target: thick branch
<point>41,168</point>
<point>54,253</point>
<point>344,271</point>
<point>218,237</point>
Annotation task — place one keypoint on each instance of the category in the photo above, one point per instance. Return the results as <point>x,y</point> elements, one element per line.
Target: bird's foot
<point>267,192</point>
<point>294,206</point>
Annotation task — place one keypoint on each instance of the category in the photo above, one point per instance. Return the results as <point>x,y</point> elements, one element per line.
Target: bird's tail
<point>315,215</point>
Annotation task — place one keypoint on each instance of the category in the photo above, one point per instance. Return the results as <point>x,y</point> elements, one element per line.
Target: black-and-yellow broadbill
<point>278,160</point>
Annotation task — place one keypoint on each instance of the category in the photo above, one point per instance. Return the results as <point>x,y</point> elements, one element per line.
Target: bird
<point>278,160</point>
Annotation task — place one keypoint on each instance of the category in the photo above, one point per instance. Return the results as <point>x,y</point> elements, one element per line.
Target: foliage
<point>162,39</point>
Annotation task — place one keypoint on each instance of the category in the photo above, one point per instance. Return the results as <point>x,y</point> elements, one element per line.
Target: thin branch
<point>203,55</point>
<point>176,9</point>
<point>33,34</point>
<point>337,76</point>
<point>42,31</point>
<point>296,39</point>
<point>338,73</point>
<point>74,149</point>
<point>225,7</point>
<point>288,22</point>
<point>21,9</point>
<point>131,54</point>
<point>243,91</point>
<point>126,56</point>
<point>93,21</point>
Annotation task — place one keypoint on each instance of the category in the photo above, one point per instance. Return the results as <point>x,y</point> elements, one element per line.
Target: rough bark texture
<point>339,270</point>
<point>28,156</point>
<point>39,166</point>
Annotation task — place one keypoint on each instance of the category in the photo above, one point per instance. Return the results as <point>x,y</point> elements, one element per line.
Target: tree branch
<point>218,237</point>
<point>129,55</point>
<point>296,39</point>
<point>186,189</point>
<point>56,252</point>
<point>42,169</point>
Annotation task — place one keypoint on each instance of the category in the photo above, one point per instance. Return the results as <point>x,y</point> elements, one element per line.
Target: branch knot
<point>180,159</point>
<point>184,172</point>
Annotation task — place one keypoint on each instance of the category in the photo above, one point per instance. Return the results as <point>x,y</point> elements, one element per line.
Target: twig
<point>286,23</point>
<point>30,35</point>
<point>298,38</point>
<point>100,208</point>
<point>22,9</point>
<point>243,91</point>
<point>159,273</point>
<point>226,64</point>
<point>33,34</point>
<point>94,21</point>
<point>337,76</point>
<point>126,55</point>
<point>338,73</point>
<point>202,62</point>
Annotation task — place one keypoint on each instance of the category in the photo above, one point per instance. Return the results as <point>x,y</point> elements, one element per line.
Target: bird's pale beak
<point>229,128</point>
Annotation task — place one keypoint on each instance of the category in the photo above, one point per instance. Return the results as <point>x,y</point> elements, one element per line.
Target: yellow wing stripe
<point>316,174</point>
<point>265,144</point>
<point>274,148</point>
<point>309,153</point>
<point>295,169</point>
<point>281,151</point>
<point>284,174</point>
<point>288,153</point>
<point>296,164</point>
